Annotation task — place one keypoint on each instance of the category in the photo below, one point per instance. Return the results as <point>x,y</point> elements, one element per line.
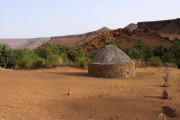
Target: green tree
<point>147,54</point>
<point>46,49</point>
<point>138,50</point>
<point>159,51</point>
<point>7,59</point>
<point>175,49</point>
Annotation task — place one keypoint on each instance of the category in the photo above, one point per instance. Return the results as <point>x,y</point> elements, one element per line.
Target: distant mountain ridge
<point>24,43</point>
<point>77,39</point>
<point>158,34</point>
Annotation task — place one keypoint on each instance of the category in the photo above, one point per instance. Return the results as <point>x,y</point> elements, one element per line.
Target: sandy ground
<point>42,95</point>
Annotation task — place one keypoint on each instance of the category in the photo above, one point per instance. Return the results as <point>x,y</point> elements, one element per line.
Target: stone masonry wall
<point>111,70</point>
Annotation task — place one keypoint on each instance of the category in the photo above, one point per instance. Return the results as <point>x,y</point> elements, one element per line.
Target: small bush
<point>156,61</point>
<point>65,58</point>
<point>82,62</point>
<point>92,55</point>
<point>53,60</point>
<point>138,63</point>
<point>38,62</point>
<point>26,62</point>
<point>7,57</point>
<point>110,42</point>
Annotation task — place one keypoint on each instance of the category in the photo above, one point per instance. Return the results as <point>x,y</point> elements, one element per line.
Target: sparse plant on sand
<point>156,61</point>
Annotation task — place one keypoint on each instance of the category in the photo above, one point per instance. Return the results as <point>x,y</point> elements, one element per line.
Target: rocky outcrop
<point>126,38</point>
<point>154,25</point>
<point>165,27</point>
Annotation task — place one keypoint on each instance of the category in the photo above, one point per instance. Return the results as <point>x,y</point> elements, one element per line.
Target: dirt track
<point>42,95</point>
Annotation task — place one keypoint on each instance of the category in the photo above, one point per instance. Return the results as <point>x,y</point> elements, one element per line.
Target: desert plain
<point>67,93</point>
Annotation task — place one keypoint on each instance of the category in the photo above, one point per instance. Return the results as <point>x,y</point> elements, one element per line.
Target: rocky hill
<point>126,38</point>
<point>169,28</point>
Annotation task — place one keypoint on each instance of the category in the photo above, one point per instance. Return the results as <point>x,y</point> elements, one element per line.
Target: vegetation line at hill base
<point>52,55</point>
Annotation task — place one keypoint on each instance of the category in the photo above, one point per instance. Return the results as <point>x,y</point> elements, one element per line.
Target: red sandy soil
<point>42,95</point>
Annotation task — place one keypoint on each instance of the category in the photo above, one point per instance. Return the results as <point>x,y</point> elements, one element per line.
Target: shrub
<point>7,59</point>
<point>46,49</point>
<point>73,52</point>
<point>53,60</point>
<point>65,58</point>
<point>175,49</point>
<point>38,62</point>
<point>110,42</point>
<point>26,62</point>
<point>147,54</point>
<point>156,61</point>
<point>92,55</point>
<point>82,62</point>
<point>138,63</point>
<point>27,59</point>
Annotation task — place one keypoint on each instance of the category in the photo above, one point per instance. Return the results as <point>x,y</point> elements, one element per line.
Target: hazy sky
<point>45,18</point>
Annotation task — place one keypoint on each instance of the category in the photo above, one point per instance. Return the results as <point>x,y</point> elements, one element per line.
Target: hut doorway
<point>127,73</point>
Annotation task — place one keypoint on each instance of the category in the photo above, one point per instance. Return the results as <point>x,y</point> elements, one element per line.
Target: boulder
<point>161,116</point>
<point>165,94</point>
<point>70,93</point>
<point>169,111</point>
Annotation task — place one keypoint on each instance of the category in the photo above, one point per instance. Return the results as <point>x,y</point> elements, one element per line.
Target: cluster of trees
<point>158,56</point>
<point>44,56</point>
<point>50,55</point>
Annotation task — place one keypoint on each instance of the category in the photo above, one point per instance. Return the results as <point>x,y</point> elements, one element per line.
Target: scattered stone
<point>165,94</point>
<point>169,111</point>
<point>161,116</point>
<point>165,85</point>
<point>70,93</point>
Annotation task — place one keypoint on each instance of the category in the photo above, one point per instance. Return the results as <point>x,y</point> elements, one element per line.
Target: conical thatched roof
<point>111,55</point>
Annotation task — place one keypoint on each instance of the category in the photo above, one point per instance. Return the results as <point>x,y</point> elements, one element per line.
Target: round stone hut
<point>111,62</point>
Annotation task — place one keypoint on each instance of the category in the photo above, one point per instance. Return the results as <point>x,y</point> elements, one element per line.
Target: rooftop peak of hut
<point>111,55</point>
